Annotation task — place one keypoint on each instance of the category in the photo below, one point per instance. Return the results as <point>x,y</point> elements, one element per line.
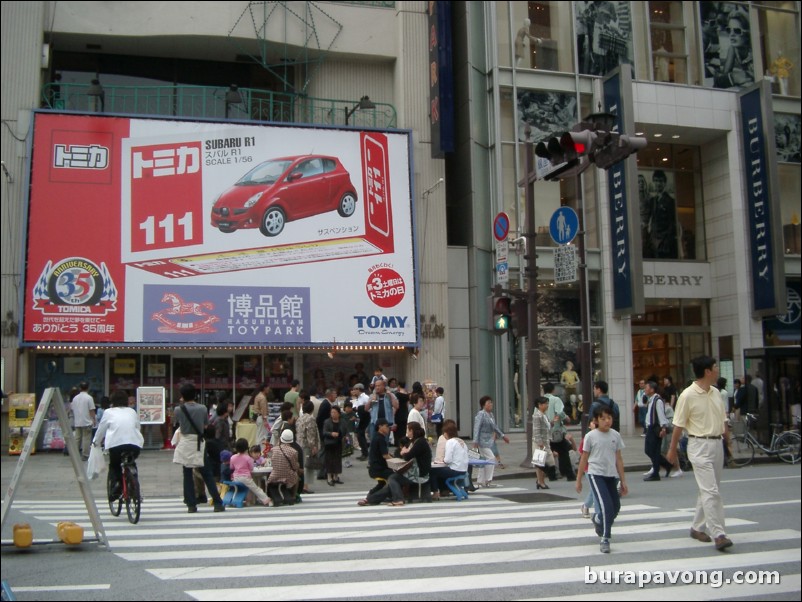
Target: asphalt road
<point>507,543</point>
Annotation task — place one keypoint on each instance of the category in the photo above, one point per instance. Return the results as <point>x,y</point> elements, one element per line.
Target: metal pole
<point>585,346</point>
<point>533,348</point>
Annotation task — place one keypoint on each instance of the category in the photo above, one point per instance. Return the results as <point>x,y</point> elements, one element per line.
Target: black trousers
<point>652,448</point>
<point>564,459</point>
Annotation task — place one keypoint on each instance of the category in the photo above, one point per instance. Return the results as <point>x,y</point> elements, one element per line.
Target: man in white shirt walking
<point>83,411</point>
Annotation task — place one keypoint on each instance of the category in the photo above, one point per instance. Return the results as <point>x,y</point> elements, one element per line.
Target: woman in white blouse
<point>455,460</point>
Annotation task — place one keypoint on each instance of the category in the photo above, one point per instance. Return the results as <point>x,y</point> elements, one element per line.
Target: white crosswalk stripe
<point>488,547</point>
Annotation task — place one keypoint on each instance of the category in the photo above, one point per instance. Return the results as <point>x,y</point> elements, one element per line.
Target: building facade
<point>515,65</point>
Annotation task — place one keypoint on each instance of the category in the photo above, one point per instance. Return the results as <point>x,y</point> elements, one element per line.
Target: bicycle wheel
<point>133,501</point>
<point>115,504</point>
<point>787,447</point>
<point>742,449</point>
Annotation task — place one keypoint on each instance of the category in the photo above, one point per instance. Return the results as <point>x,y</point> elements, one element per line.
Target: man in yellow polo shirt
<point>700,411</point>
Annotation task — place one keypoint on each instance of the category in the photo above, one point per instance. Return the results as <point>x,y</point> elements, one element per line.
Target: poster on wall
<point>603,36</point>
<point>150,404</point>
<point>787,136</point>
<point>657,199</point>
<point>726,45</point>
<point>174,232</point>
<point>546,113</point>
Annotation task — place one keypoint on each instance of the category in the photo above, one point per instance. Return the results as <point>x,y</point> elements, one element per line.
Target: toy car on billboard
<point>282,190</point>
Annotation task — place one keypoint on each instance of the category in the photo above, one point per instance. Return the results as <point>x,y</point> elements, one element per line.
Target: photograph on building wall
<point>787,137</point>
<point>726,45</point>
<point>658,214</point>
<point>603,36</point>
<point>546,114</point>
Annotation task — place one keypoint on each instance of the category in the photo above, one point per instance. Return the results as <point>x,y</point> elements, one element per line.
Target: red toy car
<point>282,190</point>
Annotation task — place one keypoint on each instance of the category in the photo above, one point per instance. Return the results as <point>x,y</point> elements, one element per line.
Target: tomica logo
<point>74,285</point>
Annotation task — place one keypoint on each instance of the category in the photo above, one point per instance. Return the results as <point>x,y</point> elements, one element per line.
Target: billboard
<point>147,231</point>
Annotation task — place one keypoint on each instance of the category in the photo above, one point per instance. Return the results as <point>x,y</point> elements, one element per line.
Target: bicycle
<point>130,495</point>
<point>785,445</point>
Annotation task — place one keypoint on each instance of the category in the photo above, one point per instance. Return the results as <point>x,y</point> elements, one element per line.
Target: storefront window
<point>787,140</point>
<point>779,43</point>
<point>672,224</point>
<point>539,35</point>
<point>125,373</point>
<point>667,336</point>
<point>545,114</point>
<point>603,36</point>
<point>667,36</point>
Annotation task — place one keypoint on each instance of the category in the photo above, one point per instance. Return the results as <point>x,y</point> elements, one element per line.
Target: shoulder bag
<point>189,457</point>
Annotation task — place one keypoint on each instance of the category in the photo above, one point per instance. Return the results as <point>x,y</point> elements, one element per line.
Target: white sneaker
<point>677,473</point>
<point>585,511</point>
<point>650,473</point>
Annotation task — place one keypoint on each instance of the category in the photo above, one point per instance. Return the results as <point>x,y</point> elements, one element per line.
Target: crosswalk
<point>487,548</point>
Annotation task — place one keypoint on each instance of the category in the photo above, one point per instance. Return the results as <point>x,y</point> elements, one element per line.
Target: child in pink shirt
<point>241,468</point>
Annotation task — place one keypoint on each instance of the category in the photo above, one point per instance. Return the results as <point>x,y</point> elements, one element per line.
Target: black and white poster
<point>658,214</point>
<point>546,114</point>
<point>787,137</point>
<point>603,36</point>
<point>726,45</point>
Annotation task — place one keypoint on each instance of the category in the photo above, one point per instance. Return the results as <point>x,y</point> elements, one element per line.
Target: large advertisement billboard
<point>146,231</point>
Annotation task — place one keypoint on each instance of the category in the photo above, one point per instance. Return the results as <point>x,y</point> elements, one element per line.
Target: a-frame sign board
<point>53,396</point>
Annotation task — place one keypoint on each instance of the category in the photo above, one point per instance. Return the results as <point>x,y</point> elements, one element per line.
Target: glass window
<point>790,189</point>
<point>539,30</point>
<point>667,35</point>
<point>671,216</point>
<point>603,36</point>
<point>779,44</point>
<point>727,48</point>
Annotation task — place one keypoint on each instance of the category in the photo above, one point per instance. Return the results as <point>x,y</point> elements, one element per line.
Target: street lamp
<point>233,97</point>
<point>97,92</point>
<point>364,103</point>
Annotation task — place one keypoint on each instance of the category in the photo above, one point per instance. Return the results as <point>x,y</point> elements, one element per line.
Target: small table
<point>395,463</point>
<point>260,475</point>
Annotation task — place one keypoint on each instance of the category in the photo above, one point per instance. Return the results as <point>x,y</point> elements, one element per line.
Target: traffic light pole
<point>586,347</point>
<point>532,345</point>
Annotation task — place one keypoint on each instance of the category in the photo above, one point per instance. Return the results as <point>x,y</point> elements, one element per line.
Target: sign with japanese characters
<point>148,231</point>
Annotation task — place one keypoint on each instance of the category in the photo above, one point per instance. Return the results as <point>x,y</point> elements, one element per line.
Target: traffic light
<point>567,153</point>
<point>612,147</point>
<point>519,322</point>
<point>500,313</point>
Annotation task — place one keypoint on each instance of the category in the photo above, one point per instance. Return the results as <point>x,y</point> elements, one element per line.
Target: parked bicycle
<point>130,495</point>
<point>785,445</point>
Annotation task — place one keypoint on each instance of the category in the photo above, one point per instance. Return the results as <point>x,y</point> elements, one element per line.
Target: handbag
<point>557,434</point>
<point>192,458</point>
<point>436,418</point>
<point>539,458</point>
<point>473,454</point>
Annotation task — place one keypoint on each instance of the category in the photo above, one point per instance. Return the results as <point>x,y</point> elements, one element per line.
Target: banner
<point>147,231</point>
<point>761,186</point>
<point>625,230</point>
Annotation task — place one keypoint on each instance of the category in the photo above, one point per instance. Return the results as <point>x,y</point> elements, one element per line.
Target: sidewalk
<point>50,474</point>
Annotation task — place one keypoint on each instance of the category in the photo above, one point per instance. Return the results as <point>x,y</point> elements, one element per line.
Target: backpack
<point>616,415</point>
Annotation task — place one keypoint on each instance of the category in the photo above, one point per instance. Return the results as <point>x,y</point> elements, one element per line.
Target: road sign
<point>502,273</point>
<point>565,264</point>
<point>501,226</point>
<point>564,225</point>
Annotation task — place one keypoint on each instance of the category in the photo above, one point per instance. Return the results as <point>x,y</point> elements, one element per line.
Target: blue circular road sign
<point>564,225</point>
<point>501,226</point>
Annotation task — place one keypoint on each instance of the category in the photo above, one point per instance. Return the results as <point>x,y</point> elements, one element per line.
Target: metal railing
<point>210,102</point>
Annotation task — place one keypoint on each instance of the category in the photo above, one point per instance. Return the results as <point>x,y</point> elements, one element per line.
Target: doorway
<point>213,377</point>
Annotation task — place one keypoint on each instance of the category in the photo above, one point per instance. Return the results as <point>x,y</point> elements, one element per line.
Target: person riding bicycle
<point>121,429</point>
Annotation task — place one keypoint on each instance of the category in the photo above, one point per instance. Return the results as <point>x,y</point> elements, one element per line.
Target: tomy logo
<point>381,321</point>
